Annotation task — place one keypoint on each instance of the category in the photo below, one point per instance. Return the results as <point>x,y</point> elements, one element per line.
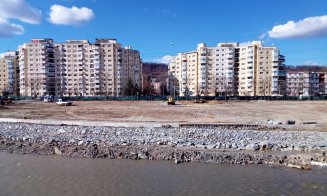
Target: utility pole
<point>174,91</point>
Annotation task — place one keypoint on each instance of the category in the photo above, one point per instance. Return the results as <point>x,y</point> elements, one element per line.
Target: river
<point>55,175</point>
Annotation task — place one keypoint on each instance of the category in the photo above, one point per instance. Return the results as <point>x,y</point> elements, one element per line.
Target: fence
<point>162,98</point>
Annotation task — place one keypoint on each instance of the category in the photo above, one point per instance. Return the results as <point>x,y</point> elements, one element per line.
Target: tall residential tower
<point>77,68</point>
<point>247,69</point>
<point>9,73</point>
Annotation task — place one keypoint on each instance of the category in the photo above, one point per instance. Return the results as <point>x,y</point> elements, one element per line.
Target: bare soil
<point>182,112</point>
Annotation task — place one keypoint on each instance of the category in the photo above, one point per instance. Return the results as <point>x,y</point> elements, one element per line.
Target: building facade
<point>247,69</point>
<point>37,68</point>
<point>322,83</point>
<point>306,83</point>
<point>225,68</point>
<point>77,68</point>
<point>9,73</point>
<point>261,70</point>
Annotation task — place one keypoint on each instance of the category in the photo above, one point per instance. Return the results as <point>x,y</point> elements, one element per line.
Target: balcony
<point>50,50</point>
<point>97,65</point>
<point>249,81</point>
<point>274,69</point>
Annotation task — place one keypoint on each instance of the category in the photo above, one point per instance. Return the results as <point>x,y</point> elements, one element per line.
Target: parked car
<point>62,102</point>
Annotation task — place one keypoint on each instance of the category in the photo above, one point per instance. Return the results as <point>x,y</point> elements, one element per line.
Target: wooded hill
<point>310,68</point>
<point>155,70</point>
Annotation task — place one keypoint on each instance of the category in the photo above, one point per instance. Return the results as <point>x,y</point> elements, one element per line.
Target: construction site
<point>245,112</point>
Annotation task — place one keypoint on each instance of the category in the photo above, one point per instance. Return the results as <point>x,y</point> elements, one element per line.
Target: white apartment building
<point>248,69</point>
<point>206,71</point>
<point>37,68</point>
<point>77,68</point>
<point>323,83</point>
<point>129,65</point>
<point>306,83</point>
<point>225,68</point>
<point>183,71</point>
<point>9,73</point>
<point>261,70</point>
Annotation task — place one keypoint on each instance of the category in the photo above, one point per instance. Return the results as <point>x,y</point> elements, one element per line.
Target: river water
<point>55,175</point>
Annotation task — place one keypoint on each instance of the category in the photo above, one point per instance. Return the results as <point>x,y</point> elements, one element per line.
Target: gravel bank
<point>179,144</point>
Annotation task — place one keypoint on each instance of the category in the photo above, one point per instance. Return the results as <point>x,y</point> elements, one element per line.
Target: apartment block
<point>9,73</point>
<point>247,69</point>
<point>226,68</point>
<point>183,74</point>
<point>37,68</point>
<point>77,67</point>
<point>261,70</point>
<point>306,83</point>
<point>322,83</point>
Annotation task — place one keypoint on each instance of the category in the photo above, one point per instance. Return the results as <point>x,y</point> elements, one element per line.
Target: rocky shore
<point>211,145</point>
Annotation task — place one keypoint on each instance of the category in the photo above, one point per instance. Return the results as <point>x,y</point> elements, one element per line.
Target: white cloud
<point>8,29</point>
<point>310,63</point>
<point>165,59</point>
<point>308,27</point>
<point>262,36</point>
<point>18,10</point>
<point>70,16</point>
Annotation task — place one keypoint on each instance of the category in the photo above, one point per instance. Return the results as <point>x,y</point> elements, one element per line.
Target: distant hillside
<point>311,68</point>
<point>155,70</point>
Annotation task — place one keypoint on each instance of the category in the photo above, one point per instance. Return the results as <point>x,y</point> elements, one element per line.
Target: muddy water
<point>54,175</point>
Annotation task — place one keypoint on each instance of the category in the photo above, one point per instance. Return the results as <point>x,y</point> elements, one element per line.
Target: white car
<point>65,103</point>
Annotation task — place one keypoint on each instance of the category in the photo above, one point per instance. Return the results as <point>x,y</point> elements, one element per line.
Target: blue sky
<point>152,25</point>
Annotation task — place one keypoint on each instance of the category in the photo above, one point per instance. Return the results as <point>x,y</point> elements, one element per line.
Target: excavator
<point>170,100</point>
<point>198,99</point>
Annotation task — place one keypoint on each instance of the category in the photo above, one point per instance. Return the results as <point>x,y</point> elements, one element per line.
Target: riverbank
<point>58,175</point>
<point>209,145</point>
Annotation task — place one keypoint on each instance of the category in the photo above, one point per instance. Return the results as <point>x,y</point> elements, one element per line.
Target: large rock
<point>252,146</point>
<point>57,151</point>
<point>211,146</point>
<point>234,146</point>
<point>61,131</point>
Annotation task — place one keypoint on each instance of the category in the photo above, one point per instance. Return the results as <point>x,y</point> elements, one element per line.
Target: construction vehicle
<point>5,100</point>
<point>170,100</point>
<point>198,99</point>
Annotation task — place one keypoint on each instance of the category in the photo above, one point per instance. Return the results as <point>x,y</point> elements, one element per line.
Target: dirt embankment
<point>252,112</point>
